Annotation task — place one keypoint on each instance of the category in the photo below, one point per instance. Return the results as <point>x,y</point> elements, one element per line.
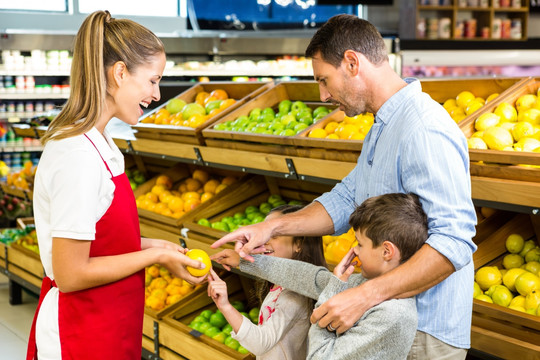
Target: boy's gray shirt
<point>386,331</point>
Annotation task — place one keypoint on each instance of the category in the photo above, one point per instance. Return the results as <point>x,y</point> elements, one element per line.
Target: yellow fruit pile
<point>515,285</point>
<point>205,106</point>
<point>351,128</point>
<point>336,247</point>
<point>190,193</point>
<point>23,179</point>
<point>464,104</point>
<point>509,127</point>
<point>162,288</point>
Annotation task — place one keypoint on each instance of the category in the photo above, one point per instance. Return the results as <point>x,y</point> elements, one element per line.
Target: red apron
<point>104,322</point>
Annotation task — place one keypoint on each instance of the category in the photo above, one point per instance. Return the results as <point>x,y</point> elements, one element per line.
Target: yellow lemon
<point>485,298</point>
<point>332,136</point>
<point>479,99</point>
<point>331,127</point>
<point>527,144</point>
<point>476,143</point>
<point>202,256</point>
<point>508,126</point>
<point>488,276</point>
<point>491,97</point>
<point>506,111</point>
<point>317,133</point>
<point>526,101</point>
<point>510,277</point>
<point>473,106</point>
<point>450,104</point>
<point>497,138</point>
<point>521,130</point>
<point>478,134</point>
<point>486,120</point>
<point>530,115</point>
<point>517,300</point>
<point>512,261</point>
<point>514,243</point>
<point>527,282</point>
<point>464,98</point>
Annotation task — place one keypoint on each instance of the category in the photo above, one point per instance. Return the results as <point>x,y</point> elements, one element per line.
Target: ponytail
<point>100,42</point>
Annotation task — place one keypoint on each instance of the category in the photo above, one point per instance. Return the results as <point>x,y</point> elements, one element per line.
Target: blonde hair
<point>100,43</point>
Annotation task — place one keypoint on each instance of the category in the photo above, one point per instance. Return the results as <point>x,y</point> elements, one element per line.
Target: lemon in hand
<point>202,256</point>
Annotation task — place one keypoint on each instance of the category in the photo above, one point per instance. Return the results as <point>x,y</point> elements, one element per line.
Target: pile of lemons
<point>351,128</point>
<point>509,127</point>
<point>465,103</point>
<point>517,284</point>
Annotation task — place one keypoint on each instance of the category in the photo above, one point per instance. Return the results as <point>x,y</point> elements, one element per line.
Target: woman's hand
<point>228,258</point>
<point>175,261</point>
<point>147,243</point>
<point>346,266</point>
<point>217,290</point>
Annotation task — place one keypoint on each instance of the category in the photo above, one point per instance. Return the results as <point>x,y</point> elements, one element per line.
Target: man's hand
<point>346,266</point>
<point>249,239</point>
<point>343,310</point>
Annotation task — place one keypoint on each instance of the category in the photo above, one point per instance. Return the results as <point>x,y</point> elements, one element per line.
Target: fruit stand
<point>299,168</point>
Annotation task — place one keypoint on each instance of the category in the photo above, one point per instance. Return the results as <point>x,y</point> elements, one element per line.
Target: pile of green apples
<point>213,324</point>
<point>251,215</point>
<point>136,178</point>
<point>290,119</point>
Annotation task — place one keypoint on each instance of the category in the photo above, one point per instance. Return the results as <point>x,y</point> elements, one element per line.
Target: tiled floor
<point>15,323</point>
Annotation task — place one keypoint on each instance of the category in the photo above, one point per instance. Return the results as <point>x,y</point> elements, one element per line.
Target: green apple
<point>251,209</point>
<point>257,219</point>
<point>285,119</point>
<point>227,329</point>
<point>220,126</point>
<point>291,124</point>
<point>212,105</point>
<point>239,216</point>
<point>274,198</point>
<point>254,113</point>
<point>252,215</point>
<point>219,225</point>
<point>269,111</point>
<point>254,312</point>
<point>242,350</point>
<point>320,109</point>
<point>308,120</point>
<point>204,326</point>
<point>133,184</point>
<point>212,331</point>
<point>175,105</point>
<point>284,106</point>
<point>238,305</point>
<point>200,319</point>
<point>232,343</point>
<point>220,337</point>
<point>266,117</point>
<point>287,132</point>
<point>196,326</point>
<point>206,314</point>
<point>300,127</point>
<point>298,105</point>
<point>204,222</point>
<point>218,320</point>
<point>192,109</point>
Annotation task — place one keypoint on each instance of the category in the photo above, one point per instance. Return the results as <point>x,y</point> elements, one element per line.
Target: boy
<point>389,229</point>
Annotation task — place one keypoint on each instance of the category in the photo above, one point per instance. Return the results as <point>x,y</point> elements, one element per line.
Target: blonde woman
<point>92,298</point>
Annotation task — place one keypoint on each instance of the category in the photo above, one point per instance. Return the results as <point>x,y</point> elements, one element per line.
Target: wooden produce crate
<point>509,165</point>
<point>241,92</point>
<point>253,193</point>
<point>15,191</point>
<point>306,91</point>
<point>177,173</point>
<point>498,330</point>
<point>3,255</point>
<point>177,336</point>
<point>25,263</point>
<point>442,90</point>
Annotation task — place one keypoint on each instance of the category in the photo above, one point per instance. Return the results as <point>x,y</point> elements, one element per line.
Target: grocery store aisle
<point>15,323</point>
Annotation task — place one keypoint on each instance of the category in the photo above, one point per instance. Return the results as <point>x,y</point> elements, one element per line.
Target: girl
<point>284,315</point>
<point>92,298</point>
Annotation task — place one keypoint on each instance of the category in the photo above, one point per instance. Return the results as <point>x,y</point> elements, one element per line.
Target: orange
<point>178,214</point>
<point>206,196</point>
<point>200,175</point>
<point>226,103</point>
<point>196,120</point>
<point>220,187</point>
<point>152,197</point>
<point>158,189</point>
<point>158,283</point>
<point>160,293</point>
<point>173,299</point>
<point>165,196</point>
<point>155,303</point>
<point>176,204</point>
<point>182,187</point>
<point>163,272</point>
<point>161,115</point>
<point>167,212</point>
<point>185,289</point>
<point>191,195</point>
<point>228,180</point>
<point>199,99</point>
<point>177,281</point>
<point>214,112</point>
<point>165,181</point>
<point>211,185</point>
<point>219,94</point>
<point>193,184</point>
<point>160,207</point>
<point>153,271</point>
<point>191,204</point>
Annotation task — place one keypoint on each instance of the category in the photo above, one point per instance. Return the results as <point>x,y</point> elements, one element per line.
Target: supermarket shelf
<point>470,57</point>
<point>32,96</point>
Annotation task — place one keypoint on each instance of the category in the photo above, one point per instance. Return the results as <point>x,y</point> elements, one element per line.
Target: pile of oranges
<point>351,128</point>
<point>174,202</point>
<point>163,289</point>
<point>23,179</point>
<point>336,247</point>
<point>206,106</point>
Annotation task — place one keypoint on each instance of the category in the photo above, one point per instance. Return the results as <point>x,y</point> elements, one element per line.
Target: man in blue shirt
<point>413,147</point>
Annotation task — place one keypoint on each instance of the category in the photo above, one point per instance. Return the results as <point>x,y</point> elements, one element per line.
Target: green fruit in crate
<point>501,295</point>
<point>243,313</point>
<point>533,266</point>
<point>238,216</point>
<point>232,343</point>
<point>203,222</point>
<point>204,326</point>
<point>284,106</point>
<point>477,291</point>
<point>298,105</point>
<point>265,208</point>
<point>205,314</point>
<point>254,113</point>
<point>529,244</point>
<point>274,198</point>
<point>511,261</point>
<point>192,109</point>
<point>533,255</point>
<point>514,243</point>
<point>254,313</point>
<point>286,119</point>
<point>518,301</point>
<point>257,219</point>
<point>251,209</point>
<point>218,320</point>
<point>175,105</point>
<point>227,329</point>
<point>220,337</point>
<point>242,350</point>
<point>220,226</point>
<point>200,319</point>
<point>527,282</point>
<point>517,308</point>
<point>212,331</point>
<point>212,105</point>
<point>196,326</point>
<point>252,215</point>
<point>321,110</point>
<point>510,277</point>
<point>238,305</point>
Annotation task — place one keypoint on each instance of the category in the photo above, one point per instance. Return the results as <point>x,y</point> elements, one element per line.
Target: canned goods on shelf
<point>432,28</point>
<point>515,29</point>
<point>470,28</point>
<point>506,24</point>
<point>444,28</point>
<point>496,28</point>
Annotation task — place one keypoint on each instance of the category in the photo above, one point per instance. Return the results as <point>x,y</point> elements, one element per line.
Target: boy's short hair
<point>396,217</point>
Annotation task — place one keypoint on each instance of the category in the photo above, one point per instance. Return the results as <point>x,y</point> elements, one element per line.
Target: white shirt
<point>283,332</point>
<point>72,191</point>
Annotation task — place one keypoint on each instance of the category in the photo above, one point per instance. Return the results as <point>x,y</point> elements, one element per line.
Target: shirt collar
<point>102,143</point>
<point>391,105</point>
